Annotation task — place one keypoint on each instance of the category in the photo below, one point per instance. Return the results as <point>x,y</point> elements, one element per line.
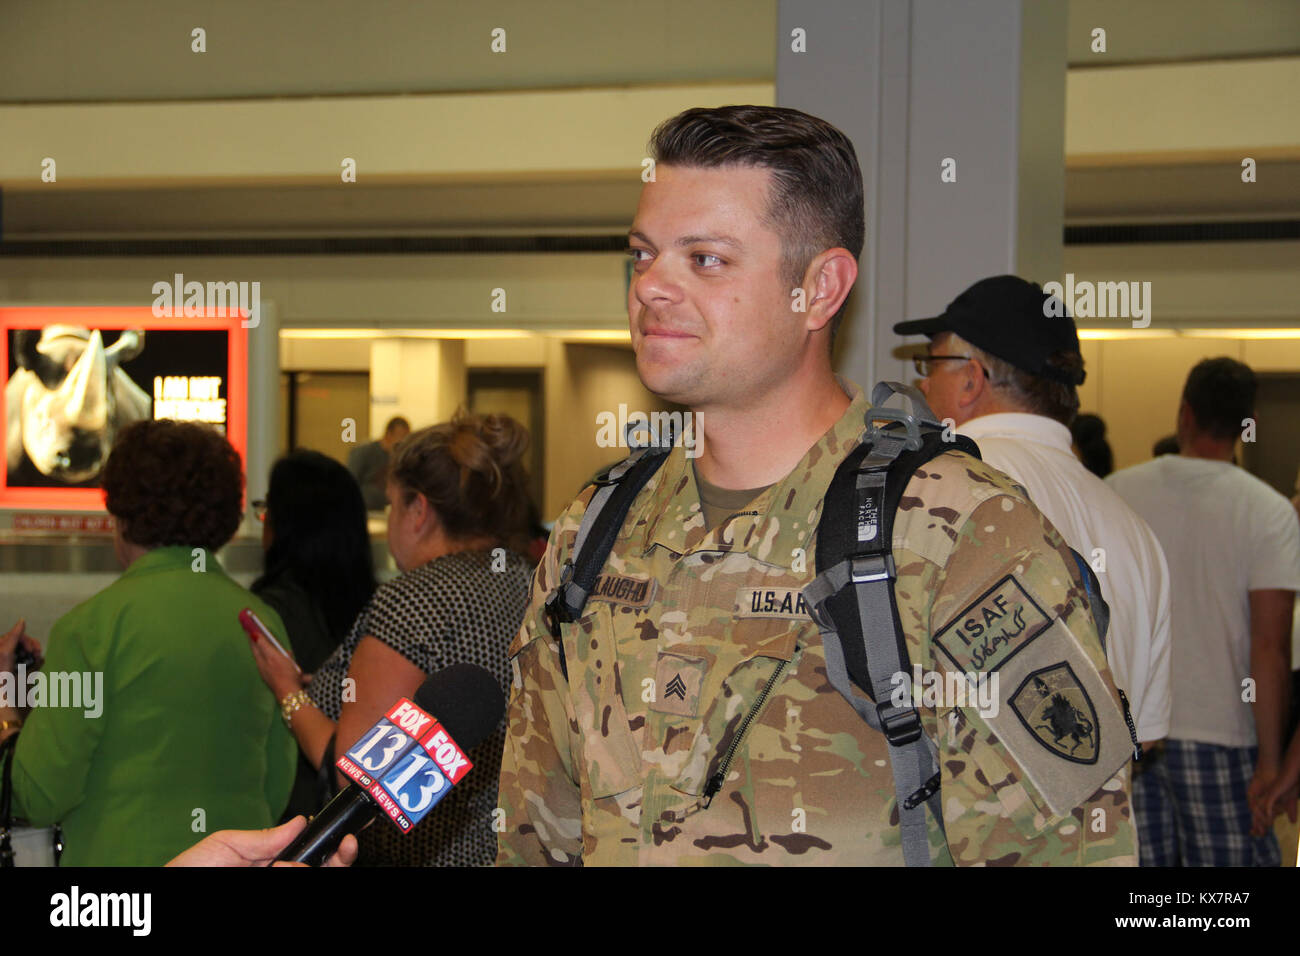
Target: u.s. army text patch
<point>771,602</point>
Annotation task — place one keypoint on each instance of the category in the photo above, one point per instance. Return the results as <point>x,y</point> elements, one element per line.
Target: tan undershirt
<point>719,504</point>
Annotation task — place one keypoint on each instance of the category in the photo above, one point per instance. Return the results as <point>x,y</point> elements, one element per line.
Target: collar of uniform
<point>1020,426</point>
<point>170,557</point>
<point>786,513</point>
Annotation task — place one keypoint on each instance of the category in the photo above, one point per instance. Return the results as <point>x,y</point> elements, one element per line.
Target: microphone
<point>407,761</point>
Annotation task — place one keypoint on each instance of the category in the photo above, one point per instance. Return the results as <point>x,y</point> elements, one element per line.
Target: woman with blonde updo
<point>458,511</point>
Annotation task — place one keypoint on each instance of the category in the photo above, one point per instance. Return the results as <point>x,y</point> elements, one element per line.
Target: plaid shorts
<point>1189,801</point>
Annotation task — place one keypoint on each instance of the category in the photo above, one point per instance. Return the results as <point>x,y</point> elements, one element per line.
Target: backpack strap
<point>861,631</point>
<point>601,523</point>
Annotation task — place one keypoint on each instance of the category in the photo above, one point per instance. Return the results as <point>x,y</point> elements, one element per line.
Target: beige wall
<point>580,382</point>
<point>1135,385</point>
<point>420,378</point>
<point>1139,384</point>
<point>423,380</point>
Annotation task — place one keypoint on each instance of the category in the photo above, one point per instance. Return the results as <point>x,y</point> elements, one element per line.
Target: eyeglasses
<point>259,508</point>
<point>923,363</point>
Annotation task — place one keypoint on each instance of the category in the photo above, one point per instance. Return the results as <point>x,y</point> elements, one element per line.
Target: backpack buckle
<point>554,610</point>
<point>871,567</point>
<point>902,725</point>
<point>551,612</point>
<point>891,416</point>
<point>928,790</point>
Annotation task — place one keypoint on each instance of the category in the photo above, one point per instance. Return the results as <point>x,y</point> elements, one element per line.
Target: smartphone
<point>259,631</point>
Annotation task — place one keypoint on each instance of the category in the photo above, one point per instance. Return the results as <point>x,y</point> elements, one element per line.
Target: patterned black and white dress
<point>453,610</point>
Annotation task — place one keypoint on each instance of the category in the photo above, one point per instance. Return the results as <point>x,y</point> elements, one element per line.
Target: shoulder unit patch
<point>1056,709</point>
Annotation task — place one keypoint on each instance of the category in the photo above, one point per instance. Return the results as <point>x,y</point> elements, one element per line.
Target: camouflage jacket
<point>696,660</point>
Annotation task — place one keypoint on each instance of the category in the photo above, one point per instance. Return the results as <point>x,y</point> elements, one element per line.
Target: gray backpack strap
<point>867,487</point>
<point>915,765</point>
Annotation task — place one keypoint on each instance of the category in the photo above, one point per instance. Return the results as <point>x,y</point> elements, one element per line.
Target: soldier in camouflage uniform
<point>697,724</point>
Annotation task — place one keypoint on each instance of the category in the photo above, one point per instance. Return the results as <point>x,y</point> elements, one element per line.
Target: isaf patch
<point>993,628</point>
<point>1054,715</point>
<point>1054,707</point>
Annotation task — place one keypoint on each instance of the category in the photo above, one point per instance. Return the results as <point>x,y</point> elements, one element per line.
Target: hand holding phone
<point>259,631</point>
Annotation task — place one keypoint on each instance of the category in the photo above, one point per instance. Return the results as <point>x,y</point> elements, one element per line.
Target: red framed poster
<point>75,375</point>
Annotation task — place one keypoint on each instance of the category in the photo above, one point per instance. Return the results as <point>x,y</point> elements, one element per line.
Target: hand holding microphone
<point>256,848</point>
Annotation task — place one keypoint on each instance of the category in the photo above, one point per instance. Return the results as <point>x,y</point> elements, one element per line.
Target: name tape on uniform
<point>623,590</point>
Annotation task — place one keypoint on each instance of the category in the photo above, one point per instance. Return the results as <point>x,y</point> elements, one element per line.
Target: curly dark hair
<point>170,483</point>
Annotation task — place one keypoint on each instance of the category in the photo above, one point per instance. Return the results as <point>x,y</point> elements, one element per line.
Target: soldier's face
<point>710,318</point>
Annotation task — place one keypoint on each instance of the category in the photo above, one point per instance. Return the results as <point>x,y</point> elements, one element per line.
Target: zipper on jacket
<point>715,782</point>
<point>1132,731</point>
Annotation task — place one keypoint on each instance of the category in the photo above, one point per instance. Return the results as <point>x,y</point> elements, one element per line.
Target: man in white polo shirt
<point>1233,545</point>
<point>1005,370</point>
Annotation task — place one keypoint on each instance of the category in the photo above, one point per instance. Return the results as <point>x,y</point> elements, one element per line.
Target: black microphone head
<point>465,699</point>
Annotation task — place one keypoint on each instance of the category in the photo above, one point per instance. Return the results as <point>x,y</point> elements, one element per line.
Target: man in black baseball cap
<point>1012,320</point>
<point>1003,367</point>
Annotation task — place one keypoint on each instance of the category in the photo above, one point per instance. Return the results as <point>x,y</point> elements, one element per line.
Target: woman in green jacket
<point>174,735</point>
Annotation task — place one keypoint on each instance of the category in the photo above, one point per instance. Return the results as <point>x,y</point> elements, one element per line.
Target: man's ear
<point>827,282</point>
<point>975,384</point>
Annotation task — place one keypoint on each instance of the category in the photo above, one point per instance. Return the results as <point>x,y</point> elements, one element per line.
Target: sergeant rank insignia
<point>1057,711</point>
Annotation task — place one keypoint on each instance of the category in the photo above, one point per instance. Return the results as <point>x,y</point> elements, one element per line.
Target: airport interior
<point>427,211</point>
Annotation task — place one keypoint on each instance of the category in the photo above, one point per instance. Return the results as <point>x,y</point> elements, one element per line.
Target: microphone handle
<point>348,812</point>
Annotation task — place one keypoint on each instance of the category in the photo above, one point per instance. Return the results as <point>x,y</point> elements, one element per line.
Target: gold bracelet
<point>7,724</point>
<point>289,706</point>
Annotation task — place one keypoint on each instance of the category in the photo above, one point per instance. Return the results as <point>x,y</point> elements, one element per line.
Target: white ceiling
<point>92,50</point>
<point>66,50</point>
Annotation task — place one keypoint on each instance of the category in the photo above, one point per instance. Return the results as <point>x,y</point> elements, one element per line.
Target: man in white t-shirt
<point>1233,547</point>
<point>1004,368</point>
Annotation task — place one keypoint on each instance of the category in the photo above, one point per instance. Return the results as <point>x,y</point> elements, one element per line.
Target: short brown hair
<point>174,483</point>
<point>815,202</point>
<point>470,470</point>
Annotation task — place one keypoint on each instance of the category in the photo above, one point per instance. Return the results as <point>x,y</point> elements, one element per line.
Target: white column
<point>914,83</point>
